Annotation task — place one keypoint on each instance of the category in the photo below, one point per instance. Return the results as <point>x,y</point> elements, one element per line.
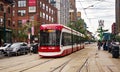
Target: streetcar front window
<point>50,37</point>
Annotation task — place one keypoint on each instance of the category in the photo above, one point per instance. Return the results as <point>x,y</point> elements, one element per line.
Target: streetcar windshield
<point>50,37</point>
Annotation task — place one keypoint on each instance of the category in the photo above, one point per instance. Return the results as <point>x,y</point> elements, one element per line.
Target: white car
<point>3,48</point>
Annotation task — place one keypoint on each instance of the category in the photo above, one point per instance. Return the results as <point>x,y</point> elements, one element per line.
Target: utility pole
<point>5,25</point>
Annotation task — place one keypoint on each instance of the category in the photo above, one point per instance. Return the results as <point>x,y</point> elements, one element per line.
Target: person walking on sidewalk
<point>99,44</point>
<point>104,45</point>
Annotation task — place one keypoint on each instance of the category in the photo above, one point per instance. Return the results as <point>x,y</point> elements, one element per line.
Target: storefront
<point>8,36</point>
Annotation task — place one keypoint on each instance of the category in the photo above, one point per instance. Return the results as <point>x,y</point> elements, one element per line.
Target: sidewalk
<point>102,61</point>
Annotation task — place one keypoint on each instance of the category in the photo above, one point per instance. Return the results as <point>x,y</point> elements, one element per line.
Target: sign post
<point>101,25</point>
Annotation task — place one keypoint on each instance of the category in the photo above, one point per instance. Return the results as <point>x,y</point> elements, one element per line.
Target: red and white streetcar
<point>58,40</point>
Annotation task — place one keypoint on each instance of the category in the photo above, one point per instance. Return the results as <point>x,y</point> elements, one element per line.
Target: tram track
<point>98,64</point>
<point>110,69</point>
<point>79,61</point>
<point>27,67</point>
<point>19,66</point>
<point>35,65</point>
<point>84,65</point>
<point>18,62</point>
<point>61,66</point>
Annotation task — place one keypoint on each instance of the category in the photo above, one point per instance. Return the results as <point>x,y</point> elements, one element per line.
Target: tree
<point>23,31</point>
<point>78,26</point>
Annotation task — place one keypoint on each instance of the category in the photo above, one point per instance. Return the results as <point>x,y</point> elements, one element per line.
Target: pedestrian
<point>99,44</point>
<point>104,45</point>
<point>107,45</point>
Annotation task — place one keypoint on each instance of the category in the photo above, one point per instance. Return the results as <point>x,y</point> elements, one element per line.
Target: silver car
<point>17,49</point>
<point>3,48</point>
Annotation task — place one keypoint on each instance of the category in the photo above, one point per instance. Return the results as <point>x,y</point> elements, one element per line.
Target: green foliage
<point>100,32</point>
<point>22,33</point>
<point>117,38</point>
<point>78,26</point>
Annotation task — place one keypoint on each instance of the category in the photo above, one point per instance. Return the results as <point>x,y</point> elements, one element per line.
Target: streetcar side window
<point>66,39</point>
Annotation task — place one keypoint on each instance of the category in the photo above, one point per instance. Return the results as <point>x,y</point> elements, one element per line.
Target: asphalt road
<point>85,60</point>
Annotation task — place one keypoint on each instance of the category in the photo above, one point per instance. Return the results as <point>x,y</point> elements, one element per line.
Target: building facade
<point>118,16</point>
<point>67,11</point>
<point>73,11</point>
<point>114,29</point>
<point>78,15</point>
<point>63,10</point>
<point>35,12</point>
<point>6,20</point>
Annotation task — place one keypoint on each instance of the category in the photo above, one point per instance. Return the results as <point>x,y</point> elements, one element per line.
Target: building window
<point>49,10</point>
<point>41,14</point>
<point>53,2</point>
<point>46,8</point>
<point>32,9</point>
<point>13,23</point>
<point>13,13</point>
<point>13,5</point>
<point>9,10</point>
<point>47,17</point>
<point>1,20</point>
<point>1,7</point>
<point>21,12</point>
<point>41,4</point>
<point>22,3</point>
<point>52,20</point>
<point>9,23</point>
<point>19,23</point>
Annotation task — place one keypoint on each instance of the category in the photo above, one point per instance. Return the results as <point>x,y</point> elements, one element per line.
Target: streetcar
<point>57,40</point>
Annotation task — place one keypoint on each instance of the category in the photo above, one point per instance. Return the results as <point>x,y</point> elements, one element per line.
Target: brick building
<point>36,12</point>
<point>117,6</point>
<point>114,29</point>
<point>6,20</point>
<point>73,11</point>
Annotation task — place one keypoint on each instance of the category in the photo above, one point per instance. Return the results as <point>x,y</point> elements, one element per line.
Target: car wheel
<point>18,53</point>
<point>1,54</point>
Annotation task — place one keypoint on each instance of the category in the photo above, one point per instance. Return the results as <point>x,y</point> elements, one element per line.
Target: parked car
<point>17,49</point>
<point>3,48</point>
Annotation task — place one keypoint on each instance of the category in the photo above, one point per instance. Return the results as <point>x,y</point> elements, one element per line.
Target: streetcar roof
<point>58,27</point>
<point>52,26</point>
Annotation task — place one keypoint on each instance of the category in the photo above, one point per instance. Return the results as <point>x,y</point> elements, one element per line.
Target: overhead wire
<point>84,9</point>
<point>92,7</point>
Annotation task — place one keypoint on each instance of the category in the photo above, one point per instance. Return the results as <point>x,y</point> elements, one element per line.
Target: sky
<point>94,10</point>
